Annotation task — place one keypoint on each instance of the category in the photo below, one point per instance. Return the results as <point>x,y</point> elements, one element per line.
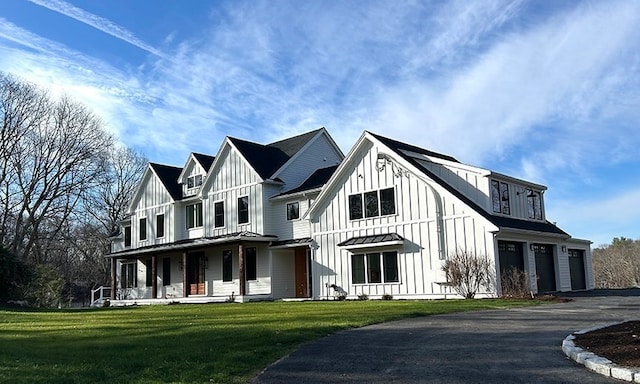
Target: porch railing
<point>99,294</point>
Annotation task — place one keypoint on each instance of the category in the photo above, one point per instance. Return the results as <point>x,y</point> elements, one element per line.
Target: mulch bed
<point>619,343</point>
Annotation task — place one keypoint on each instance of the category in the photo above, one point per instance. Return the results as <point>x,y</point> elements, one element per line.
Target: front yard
<point>215,343</point>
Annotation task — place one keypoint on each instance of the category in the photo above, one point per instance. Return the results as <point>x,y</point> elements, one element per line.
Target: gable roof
<point>267,159</point>
<point>168,176</point>
<point>499,221</point>
<point>205,160</point>
<point>316,180</point>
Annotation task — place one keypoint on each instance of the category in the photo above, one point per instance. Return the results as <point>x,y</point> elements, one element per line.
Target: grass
<point>215,343</point>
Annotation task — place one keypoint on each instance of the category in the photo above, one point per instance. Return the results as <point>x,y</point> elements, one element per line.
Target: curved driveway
<point>521,345</point>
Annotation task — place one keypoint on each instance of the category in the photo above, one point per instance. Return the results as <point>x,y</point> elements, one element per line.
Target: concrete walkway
<point>504,346</point>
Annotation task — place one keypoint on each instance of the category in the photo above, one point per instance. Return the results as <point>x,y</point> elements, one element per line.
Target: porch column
<point>154,273</point>
<point>185,286</point>
<point>113,278</point>
<point>243,280</point>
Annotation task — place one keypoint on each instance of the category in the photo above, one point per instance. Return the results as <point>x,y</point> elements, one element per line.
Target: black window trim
<point>364,213</point>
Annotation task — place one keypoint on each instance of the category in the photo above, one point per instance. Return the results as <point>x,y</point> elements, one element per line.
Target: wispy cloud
<point>98,23</point>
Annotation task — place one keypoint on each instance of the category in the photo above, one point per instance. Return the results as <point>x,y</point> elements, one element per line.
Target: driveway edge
<point>596,363</point>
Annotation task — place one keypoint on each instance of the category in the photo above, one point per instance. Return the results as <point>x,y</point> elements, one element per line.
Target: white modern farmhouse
<point>298,219</point>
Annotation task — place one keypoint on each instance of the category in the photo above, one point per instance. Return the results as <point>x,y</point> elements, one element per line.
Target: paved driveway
<point>504,346</point>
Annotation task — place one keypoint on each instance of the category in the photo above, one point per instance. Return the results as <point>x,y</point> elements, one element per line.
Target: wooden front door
<point>302,272</point>
<point>195,273</point>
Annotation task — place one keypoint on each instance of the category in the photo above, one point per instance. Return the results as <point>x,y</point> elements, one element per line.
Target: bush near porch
<point>216,343</point>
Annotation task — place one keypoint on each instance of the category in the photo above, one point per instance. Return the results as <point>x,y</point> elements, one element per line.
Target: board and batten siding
<point>433,222</point>
<point>320,153</point>
<point>193,168</point>
<point>153,200</point>
<point>288,229</point>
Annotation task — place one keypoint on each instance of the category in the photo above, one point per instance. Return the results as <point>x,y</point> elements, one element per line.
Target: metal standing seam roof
<point>374,239</point>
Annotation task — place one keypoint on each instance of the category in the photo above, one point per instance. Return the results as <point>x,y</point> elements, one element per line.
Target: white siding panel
<point>319,154</point>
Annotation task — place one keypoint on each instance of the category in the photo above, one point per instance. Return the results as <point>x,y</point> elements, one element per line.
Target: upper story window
<point>143,229</point>
<point>500,197</point>
<point>160,225</point>
<point>194,215</point>
<point>194,181</point>
<point>293,211</point>
<point>243,209</point>
<point>372,204</point>
<point>218,213</point>
<point>534,204</point>
<point>127,236</point>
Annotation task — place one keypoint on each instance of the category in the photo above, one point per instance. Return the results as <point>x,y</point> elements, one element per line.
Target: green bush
<point>14,274</point>
<point>45,289</point>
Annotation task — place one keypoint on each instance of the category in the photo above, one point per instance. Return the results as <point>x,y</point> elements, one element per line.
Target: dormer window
<point>500,197</point>
<point>194,181</point>
<point>534,204</point>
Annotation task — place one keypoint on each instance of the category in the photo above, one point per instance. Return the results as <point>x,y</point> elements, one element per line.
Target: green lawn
<point>219,343</point>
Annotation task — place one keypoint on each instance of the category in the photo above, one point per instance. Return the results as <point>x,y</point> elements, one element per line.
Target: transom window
<point>194,215</point>
<point>375,268</point>
<point>194,181</point>
<point>293,211</point>
<point>500,197</point>
<point>372,204</point>
<point>534,204</point>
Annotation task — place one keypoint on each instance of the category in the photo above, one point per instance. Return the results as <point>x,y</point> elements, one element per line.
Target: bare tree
<point>617,265</point>
<point>467,273</point>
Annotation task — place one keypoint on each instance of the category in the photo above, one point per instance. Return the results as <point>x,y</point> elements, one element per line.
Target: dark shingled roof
<point>267,159</point>
<point>375,239</point>
<point>316,180</point>
<point>499,221</point>
<point>205,160</point>
<point>169,177</point>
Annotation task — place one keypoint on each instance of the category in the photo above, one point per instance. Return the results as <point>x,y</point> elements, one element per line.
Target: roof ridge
<point>409,147</point>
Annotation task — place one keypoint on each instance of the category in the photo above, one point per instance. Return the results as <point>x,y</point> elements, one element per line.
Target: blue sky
<point>548,90</point>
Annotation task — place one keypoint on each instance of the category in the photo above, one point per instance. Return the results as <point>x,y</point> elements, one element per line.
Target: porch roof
<point>372,241</point>
<point>291,243</point>
<point>193,243</point>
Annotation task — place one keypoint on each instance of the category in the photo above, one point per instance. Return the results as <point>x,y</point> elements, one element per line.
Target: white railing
<point>99,294</point>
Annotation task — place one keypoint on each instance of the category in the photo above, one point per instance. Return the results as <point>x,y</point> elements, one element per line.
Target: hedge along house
<point>392,213</point>
<point>208,230</point>
<point>295,219</point>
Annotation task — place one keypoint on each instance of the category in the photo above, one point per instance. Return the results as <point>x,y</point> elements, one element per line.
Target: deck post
<point>243,280</point>
<point>113,278</point>
<point>185,286</point>
<point>154,273</point>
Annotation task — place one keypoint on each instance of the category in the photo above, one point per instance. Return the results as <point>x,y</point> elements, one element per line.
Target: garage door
<point>510,255</point>
<point>545,267</point>
<point>576,269</point>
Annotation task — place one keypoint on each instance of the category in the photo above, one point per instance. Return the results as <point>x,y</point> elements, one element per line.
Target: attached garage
<point>545,267</point>
<point>577,270</point>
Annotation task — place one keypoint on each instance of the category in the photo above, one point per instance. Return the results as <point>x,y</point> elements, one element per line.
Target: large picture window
<point>250,264</point>
<point>243,209</point>
<point>218,212</point>
<point>375,268</point>
<point>194,215</point>
<point>500,197</point>
<point>372,204</point>
<point>128,277</point>
<point>227,265</point>
<point>293,211</point>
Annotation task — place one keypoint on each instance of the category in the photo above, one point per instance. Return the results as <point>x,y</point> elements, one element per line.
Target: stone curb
<point>596,363</point>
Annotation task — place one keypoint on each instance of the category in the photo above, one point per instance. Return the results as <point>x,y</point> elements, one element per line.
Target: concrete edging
<point>596,363</point>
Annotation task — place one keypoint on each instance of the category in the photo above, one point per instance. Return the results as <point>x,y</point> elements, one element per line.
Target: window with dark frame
<point>500,197</point>
<point>504,193</point>
<point>534,204</point>
<point>250,264</point>
<point>293,211</point>
<point>128,277</point>
<point>387,202</point>
<point>227,265</point>
<point>166,271</point>
<point>160,225</point>
<point>375,268</point>
<point>194,181</point>
<point>243,210</point>
<point>355,206</point>
<point>218,213</point>
<point>372,204</point>
<point>127,236</point>
<point>149,273</point>
<point>143,228</point>
<point>194,215</point>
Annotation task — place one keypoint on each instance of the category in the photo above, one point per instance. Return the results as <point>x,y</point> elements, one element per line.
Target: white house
<point>296,219</point>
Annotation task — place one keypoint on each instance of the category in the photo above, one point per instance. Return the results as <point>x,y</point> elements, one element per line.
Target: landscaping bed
<point>619,343</point>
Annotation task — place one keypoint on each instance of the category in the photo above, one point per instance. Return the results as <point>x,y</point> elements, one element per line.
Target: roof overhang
<point>293,243</point>
<point>374,241</point>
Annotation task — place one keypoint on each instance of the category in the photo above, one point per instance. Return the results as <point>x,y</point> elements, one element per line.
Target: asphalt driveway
<point>504,346</point>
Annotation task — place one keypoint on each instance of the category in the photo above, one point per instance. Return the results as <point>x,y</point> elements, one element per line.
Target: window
<point>166,271</point>
<point>293,211</point>
<point>194,215</point>
<point>127,236</point>
<point>375,268</point>
<point>160,225</point>
<point>194,181</point>
<point>218,213</point>
<point>355,207</point>
<point>128,275</point>
<point>227,265</point>
<point>149,270</point>
<point>534,204</point>
<point>500,197</point>
<point>143,229</point>
<point>372,204</point>
<point>243,209</point>
<point>250,264</point>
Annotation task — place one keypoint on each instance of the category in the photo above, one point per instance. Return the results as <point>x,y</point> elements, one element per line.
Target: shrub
<point>387,296</point>
<point>45,290</point>
<point>363,296</point>
<point>515,283</point>
<point>467,273</point>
